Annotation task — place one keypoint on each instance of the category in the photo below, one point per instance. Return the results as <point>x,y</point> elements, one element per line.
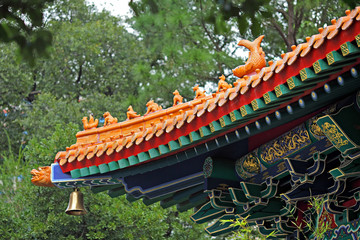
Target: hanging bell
<point>76,204</point>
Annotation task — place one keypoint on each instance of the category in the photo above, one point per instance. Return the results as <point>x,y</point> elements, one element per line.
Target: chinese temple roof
<point>279,135</point>
<point>162,132</point>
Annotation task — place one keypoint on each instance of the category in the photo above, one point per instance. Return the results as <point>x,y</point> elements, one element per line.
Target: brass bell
<point>76,204</point>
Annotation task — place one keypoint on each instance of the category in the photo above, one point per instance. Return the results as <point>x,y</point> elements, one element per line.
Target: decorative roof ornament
<point>152,107</point>
<point>41,177</point>
<point>256,58</point>
<point>222,84</point>
<point>91,123</point>
<point>198,92</point>
<point>177,98</point>
<point>109,119</point>
<point>131,113</point>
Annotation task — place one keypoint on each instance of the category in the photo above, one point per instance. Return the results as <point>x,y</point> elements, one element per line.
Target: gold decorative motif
<point>281,167</point>
<point>212,128</point>
<point>316,66</point>
<point>191,138</point>
<point>254,105</point>
<point>267,98</point>
<point>180,142</point>
<point>248,166</point>
<point>251,163</point>
<point>315,129</point>
<point>201,132</point>
<point>285,145</point>
<point>330,58</point>
<point>357,37</point>
<point>344,49</point>
<point>243,111</point>
<point>278,91</point>
<point>290,83</point>
<point>303,74</point>
<point>334,135</point>
<point>222,122</point>
<point>232,117</point>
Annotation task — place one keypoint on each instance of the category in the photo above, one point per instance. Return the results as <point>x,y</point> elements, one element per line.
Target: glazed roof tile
<point>131,137</point>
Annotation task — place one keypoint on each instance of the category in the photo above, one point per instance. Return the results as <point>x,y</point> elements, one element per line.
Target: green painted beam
<point>149,201</point>
<point>116,192</point>
<point>97,189</point>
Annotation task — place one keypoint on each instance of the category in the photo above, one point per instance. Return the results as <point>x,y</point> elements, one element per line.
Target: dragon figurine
<point>41,177</point>
<point>256,58</point>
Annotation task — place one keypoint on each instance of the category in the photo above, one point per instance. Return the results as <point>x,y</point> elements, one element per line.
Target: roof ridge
<point>118,137</point>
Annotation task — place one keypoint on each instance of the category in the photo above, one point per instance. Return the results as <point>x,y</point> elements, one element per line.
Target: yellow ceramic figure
<point>131,113</point>
<point>256,58</point>
<point>91,123</point>
<point>109,119</point>
<point>41,177</point>
<point>177,98</point>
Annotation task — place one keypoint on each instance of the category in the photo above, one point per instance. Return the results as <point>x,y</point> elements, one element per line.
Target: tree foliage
<point>29,212</point>
<point>22,23</point>
<point>96,64</point>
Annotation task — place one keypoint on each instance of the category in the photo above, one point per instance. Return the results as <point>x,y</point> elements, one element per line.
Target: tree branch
<point>285,14</point>
<point>280,31</point>
<point>207,31</point>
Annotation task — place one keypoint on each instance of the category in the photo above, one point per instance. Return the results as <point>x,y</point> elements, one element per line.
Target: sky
<point>116,7</point>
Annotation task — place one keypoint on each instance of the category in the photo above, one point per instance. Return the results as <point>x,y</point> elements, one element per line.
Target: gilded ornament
<point>315,129</point>
<point>333,134</point>
<point>285,145</point>
<point>248,166</point>
<point>251,163</point>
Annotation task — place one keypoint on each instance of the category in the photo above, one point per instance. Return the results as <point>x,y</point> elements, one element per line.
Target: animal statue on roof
<point>91,123</point>
<point>109,119</point>
<point>222,84</point>
<point>152,107</point>
<point>256,58</point>
<point>130,114</point>
<point>41,177</point>
<point>177,98</point>
<point>198,92</point>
